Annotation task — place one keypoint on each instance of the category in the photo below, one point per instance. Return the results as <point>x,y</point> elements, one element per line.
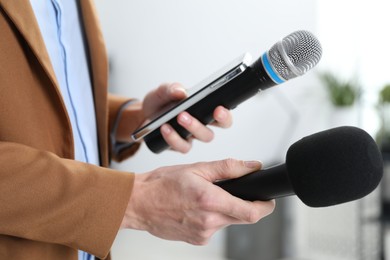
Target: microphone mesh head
<point>334,166</point>
<point>295,54</point>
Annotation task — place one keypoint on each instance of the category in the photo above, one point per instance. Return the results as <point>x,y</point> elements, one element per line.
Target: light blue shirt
<point>61,28</point>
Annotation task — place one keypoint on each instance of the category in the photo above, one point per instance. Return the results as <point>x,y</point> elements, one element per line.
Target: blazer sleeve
<point>50,199</point>
<point>135,118</point>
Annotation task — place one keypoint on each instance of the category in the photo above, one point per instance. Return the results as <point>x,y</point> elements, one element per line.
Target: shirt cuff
<point>117,148</point>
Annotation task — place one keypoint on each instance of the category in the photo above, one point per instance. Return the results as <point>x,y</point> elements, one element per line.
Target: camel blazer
<point>51,205</point>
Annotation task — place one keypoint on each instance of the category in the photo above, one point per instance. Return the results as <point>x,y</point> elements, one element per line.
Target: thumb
<point>170,92</point>
<point>161,97</point>
<point>229,169</point>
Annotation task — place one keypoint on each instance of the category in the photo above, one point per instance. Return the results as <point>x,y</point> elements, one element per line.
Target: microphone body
<point>293,56</point>
<point>324,169</point>
<point>264,185</point>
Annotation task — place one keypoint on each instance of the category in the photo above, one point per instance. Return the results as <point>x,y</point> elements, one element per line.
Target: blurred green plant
<point>383,135</point>
<point>384,94</point>
<point>341,93</point>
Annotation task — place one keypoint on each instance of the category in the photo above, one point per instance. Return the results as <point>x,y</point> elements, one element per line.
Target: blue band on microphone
<point>270,71</point>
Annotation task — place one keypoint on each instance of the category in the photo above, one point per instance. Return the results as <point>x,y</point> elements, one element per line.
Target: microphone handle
<point>262,185</point>
<point>236,91</point>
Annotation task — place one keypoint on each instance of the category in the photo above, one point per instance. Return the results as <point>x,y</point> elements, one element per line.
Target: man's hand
<point>168,94</point>
<point>182,203</point>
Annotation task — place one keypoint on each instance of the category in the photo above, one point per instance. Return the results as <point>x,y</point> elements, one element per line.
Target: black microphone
<point>293,56</point>
<point>324,169</point>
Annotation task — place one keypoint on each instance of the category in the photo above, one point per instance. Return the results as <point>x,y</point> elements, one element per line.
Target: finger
<point>229,217</point>
<point>196,128</point>
<point>223,117</point>
<point>237,210</point>
<point>174,140</point>
<point>227,169</point>
<point>167,92</point>
<point>247,212</point>
<point>176,91</point>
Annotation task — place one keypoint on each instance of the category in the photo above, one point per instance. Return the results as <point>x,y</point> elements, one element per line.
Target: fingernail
<point>166,129</point>
<point>253,164</point>
<point>222,114</point>
<point>184,118</point>
<point>178,90</point>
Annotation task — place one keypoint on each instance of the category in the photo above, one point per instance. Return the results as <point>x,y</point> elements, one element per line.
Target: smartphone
<point>196,94</point>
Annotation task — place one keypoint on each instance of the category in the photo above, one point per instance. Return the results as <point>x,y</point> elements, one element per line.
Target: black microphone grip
<point>261,185</point>
<point>236,91</point>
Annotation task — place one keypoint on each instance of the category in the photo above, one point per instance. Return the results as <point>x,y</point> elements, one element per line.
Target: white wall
<point>150,42</point>
<point>355,42</point>
<point>154,41</point>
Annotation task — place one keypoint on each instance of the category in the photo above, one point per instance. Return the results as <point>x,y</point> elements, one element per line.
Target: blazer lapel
<point>22,15</point>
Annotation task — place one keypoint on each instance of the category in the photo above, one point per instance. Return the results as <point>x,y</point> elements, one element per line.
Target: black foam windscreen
<point>334,166</point>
